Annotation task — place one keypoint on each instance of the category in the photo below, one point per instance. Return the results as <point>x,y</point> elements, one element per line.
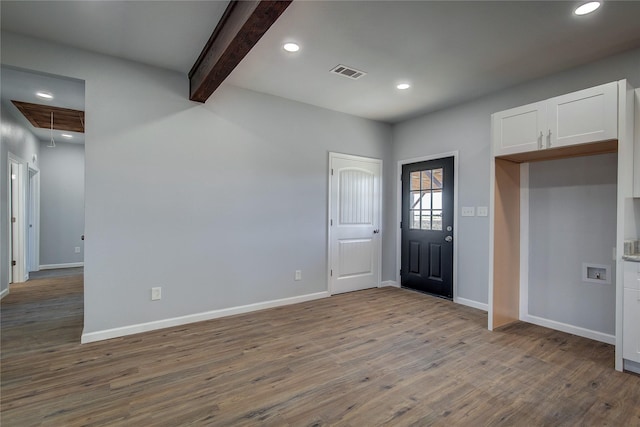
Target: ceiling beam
<point>241,26</point>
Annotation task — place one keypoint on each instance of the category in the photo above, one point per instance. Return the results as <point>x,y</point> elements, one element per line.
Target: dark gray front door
<point>427,227</point>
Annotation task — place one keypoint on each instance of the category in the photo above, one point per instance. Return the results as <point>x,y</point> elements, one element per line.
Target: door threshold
<point>427,293</point>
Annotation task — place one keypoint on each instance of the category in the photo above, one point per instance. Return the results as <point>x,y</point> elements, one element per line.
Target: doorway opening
<point>44,201</point>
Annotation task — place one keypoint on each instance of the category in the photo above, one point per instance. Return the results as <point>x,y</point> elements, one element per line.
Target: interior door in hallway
<point>427,226</point>
<point>354,224</point>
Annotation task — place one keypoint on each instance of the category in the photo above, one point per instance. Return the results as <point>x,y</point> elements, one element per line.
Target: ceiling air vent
<point>348,72</point>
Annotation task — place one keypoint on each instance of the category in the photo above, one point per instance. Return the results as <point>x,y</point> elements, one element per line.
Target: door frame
<point>33,219</point>
<point>332,155</point>
<point>21,275</point>
<point>401,163</point>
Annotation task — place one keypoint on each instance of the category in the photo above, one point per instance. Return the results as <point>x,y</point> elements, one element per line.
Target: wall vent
<point>348,72</point>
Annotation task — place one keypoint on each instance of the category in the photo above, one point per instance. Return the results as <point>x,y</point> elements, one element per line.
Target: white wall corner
<point>391,283</point>
<point>88,337</point>
<point>4,293</point>
<point>471,303</point>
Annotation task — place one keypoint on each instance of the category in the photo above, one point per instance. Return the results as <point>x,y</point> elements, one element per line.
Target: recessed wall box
<point>596,273</point>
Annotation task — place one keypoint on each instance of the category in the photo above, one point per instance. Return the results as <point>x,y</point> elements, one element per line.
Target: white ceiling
<point>450,51</point>
<point>167,34</point>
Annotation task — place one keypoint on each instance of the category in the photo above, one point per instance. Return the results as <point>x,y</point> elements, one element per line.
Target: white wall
<point>18,140</point>
<point>217,203</point>
<point>467,128</point>
<point>572,220</point>
<point>61,203</point>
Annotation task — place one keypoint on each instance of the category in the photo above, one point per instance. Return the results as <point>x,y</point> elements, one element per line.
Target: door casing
<point>18,241</point>
<point>453,154</point>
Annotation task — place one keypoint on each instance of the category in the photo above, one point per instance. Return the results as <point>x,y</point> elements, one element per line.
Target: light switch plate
<point>468,211</point>
<point>483,211</point>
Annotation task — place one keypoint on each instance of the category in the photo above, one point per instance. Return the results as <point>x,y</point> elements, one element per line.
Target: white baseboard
<point>391,283</point>
<point>67,265</point>
<point>198,317</point>
<point>631,366</point>
<point>575,330</point>
<point>471,303</point>
<point>4,293</point>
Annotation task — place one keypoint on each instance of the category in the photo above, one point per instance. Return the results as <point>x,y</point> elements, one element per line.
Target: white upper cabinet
<point>585,116</point>
<point>519,130</point>
<point>581,117</point>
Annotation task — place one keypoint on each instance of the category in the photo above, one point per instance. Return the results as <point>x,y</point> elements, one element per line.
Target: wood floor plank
<point>377,357</point>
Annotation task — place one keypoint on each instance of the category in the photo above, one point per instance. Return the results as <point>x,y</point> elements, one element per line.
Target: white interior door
<point>354,224</point>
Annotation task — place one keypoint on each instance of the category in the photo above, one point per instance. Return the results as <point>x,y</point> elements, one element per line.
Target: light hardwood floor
<point>377,357</point>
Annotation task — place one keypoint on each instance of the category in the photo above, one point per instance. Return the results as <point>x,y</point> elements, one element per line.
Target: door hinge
<point>13,263</point>
<point>331,222</point>
<point>13,219</point>
<point>331,171</point>
<point>331,273</point>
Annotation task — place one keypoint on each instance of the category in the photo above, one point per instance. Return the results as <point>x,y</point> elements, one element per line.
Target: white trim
<point>333,155</point>
<point>624,191</point>
<point>524,241</point>
<point>106,334</point>
<point>22,275</point>
<point>570,329</point>
<point>33,208</point>
<point>4,293</point>
<point>471,303</point>
<point>631,366</point>
<point>391,283</point>
<point>453,154</point>
<point>492,209</point>
<point>67,265</point>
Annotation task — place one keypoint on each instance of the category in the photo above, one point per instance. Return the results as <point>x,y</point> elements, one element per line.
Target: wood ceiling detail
<point>241,26</point>
<point>63,118</point>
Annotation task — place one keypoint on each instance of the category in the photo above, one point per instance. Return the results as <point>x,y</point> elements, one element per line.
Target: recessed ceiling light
<point>66,135</point>
<point>291,47</point>
<point>403,86</point>
<point>44,95</point>
<point>587,8</point>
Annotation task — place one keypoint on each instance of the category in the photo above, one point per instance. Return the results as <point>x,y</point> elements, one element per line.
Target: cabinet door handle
<point>549,139</point>
<point>540,140</point>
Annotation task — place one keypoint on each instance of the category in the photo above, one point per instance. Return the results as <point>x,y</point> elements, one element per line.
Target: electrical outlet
<point>77,249</point>
<point>298,274</point>
<point>156,293</point>
<point>482,211</point>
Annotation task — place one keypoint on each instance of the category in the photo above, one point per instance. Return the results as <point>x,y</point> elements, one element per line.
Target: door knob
<point>448,239</point>
<point>376,231</point>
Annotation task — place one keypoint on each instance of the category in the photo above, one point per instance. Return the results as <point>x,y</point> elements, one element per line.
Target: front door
<point>427,227</point>
<point>354,242</point>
